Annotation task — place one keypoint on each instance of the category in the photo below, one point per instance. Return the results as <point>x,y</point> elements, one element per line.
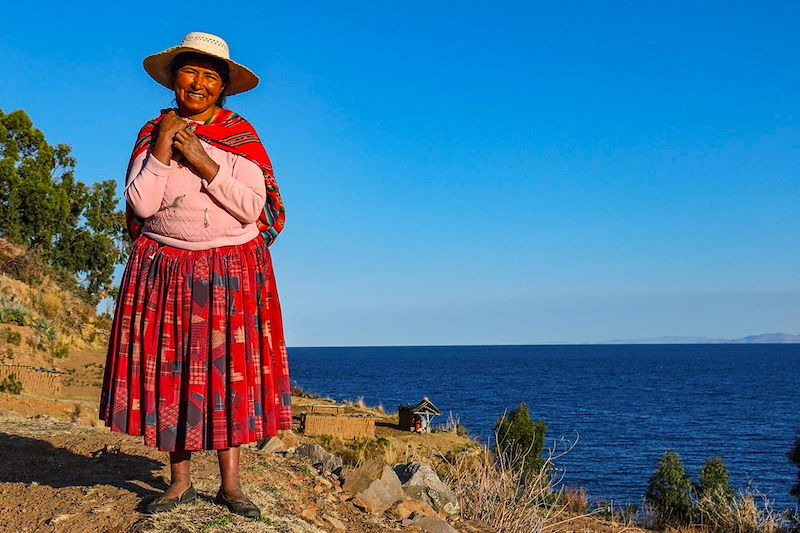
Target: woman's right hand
<point>167,128</point>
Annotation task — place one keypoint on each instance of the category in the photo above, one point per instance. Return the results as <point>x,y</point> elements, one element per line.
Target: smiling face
<point>198,84</point>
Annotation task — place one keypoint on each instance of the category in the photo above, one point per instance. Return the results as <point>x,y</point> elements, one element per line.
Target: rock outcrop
<point>420,482</point>
<point>374,487</point>
<point>320,458</point>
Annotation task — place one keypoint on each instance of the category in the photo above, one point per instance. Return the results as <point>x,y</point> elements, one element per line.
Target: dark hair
<point>220,66</point>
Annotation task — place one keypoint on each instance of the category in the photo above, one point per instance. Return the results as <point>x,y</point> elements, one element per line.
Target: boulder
<point>373,486</point>
<point>406,508</point>
<point>420,482</point>
<point>432,524</point>
<point>289,438</point>
<point>273,445</point>
<point>319,457</point>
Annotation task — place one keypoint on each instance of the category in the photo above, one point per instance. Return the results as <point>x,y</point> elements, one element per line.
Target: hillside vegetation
<point>41,322</point>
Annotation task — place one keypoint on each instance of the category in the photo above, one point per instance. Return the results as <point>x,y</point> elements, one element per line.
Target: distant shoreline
<point>765,338</point>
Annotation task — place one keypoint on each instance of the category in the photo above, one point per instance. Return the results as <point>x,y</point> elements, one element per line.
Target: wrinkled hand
<point>169,126</point>
<point>186,142</point>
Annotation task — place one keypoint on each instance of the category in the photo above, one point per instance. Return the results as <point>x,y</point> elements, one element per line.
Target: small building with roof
<point>417,417</point>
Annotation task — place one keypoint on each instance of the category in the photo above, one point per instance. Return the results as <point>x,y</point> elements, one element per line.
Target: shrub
<point>714,496</point>
<point>59,350</point>
<point>295,389</point>
<point>46,329</point>
<point>743,514</point>
<point>503,496</point>
<point>669,492</point>
<point>12,337</point>
<point>574,500</point>
<point>12,313</point>
<point>714,479</point>
<point>48,303</point>
<point>11,385</point>
<point>519,442</point>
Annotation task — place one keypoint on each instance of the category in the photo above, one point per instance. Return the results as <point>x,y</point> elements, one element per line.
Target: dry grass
<point>356,452</point>
<point>750,512</point>
<point>360,405</point>
<point>205,517</point>
<point>627,514</point>
<point>49,303</point>
<point>48,322</point>
<point>496,492</point>
<point>50,312</point>
<point>574,500</point>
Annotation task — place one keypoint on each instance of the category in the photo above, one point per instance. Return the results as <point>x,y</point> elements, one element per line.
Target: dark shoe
<point>241,507</point>
<point>159,505</point>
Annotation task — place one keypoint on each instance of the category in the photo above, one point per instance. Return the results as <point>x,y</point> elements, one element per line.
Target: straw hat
<point>157,65</point>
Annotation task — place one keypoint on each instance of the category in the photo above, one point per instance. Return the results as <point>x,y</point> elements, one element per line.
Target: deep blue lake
<point>625,404</point>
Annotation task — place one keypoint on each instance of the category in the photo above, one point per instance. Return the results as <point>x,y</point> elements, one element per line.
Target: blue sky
<point>476,172</point>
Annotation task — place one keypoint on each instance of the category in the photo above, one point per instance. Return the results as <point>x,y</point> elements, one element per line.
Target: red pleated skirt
<point>196,356</point>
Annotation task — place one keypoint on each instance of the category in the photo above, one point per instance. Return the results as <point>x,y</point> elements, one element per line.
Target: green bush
<point>11,385</point>
<point>714,481</point>
<point>519,442</point>
<point>669,492</point>
<point>46,329</point>
<point>11,313</point>
<point>714,495</point>
<point>59,350</point>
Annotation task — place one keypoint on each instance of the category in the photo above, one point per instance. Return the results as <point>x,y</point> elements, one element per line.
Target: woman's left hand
<point>188,144</point>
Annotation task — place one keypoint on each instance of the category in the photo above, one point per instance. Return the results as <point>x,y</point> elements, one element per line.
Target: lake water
<point>625,404</point>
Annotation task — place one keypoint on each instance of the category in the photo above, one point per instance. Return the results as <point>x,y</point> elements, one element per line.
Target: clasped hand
<point>182,140</point>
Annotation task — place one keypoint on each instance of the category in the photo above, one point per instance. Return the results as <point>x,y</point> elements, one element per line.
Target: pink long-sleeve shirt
<point>183,210</point>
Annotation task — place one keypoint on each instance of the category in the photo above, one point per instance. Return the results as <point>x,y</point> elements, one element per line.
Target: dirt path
<point>58,476</point>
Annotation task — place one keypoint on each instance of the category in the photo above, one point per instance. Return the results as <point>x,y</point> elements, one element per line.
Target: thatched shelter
<point>417,417</point>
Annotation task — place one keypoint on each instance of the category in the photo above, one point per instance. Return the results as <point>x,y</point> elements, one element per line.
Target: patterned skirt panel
<point>196,358</point>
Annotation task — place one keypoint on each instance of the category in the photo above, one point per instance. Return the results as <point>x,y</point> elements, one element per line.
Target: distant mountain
<point>764,338</point>
<point>769,338</point>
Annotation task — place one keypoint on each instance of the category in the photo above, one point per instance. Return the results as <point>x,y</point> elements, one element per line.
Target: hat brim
<point>157,65</point>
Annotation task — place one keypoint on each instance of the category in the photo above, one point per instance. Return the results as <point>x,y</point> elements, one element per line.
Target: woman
<point>196,358</point>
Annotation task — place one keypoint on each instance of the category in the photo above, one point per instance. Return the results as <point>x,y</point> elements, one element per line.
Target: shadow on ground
<point>30,460</point>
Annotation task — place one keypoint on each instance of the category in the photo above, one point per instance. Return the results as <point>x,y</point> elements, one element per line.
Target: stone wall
<point>344,427</point>
<point>34,380</point>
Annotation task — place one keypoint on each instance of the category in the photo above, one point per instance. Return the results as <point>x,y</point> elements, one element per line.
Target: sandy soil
<point>63,471</point>
<point>65,477</point>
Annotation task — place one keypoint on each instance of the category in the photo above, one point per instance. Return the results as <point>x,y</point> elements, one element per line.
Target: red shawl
<point>232,133</point>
